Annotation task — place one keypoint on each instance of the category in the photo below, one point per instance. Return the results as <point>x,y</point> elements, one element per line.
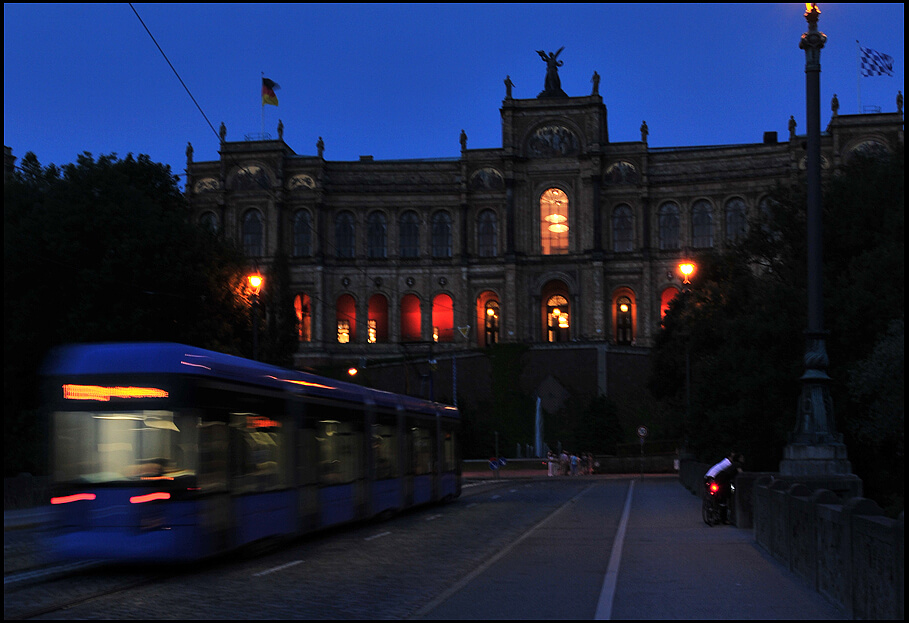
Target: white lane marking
<point>486,565</point>
<point>431,517</point>
<point>604,605</point>
<point>279,568</point>
<point>376,536</point>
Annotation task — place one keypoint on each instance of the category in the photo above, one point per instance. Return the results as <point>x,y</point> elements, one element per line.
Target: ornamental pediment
<point>301,181</point>
<point>553,140</point>
<point>486,178</point>
<point>206,184</point>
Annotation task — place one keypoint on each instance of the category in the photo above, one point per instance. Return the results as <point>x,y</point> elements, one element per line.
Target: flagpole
<point>858,74</point>
<point>263,105</point>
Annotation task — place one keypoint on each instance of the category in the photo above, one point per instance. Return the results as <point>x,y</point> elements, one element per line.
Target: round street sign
<point>642,431</point>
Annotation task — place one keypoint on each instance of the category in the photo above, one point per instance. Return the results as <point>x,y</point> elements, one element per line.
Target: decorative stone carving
<point>206,184</point>
<point>486,178</point>
<point>300,181</point>
<point>622,172</point>
<point>553,140</point>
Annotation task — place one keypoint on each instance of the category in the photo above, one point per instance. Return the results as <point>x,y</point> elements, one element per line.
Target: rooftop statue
<point>552,87</point>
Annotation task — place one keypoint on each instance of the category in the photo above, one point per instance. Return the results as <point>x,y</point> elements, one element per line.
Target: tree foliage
<point>742,325</point>
<point>104,250</point>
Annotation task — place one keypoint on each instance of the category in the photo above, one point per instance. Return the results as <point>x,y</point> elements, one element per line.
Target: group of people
<point>570,464</point>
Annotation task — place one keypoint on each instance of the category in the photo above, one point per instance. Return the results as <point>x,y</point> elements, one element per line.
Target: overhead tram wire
<point>324,243</point>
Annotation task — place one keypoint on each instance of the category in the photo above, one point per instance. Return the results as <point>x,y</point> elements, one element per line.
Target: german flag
<point>268,92</point>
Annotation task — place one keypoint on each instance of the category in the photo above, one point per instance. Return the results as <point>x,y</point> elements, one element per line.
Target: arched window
<point>209,222</point>
<point>701,224</point>
<point>346,315</point>
<point>441,235</point>
<point>442,319</point>
<point>735,219</point>
<point>487,318</point>
<point>376,236</point>
<point>558,319</point>
<point>665,298</point>
<point>410,318</point>
<point>302,246</point>
<point>622,229</point>
<point>669,226</point>
<point>377,325</point>
<point>303,309</point>
<point>252,233</point>
<point>410,234</point>
<point>554,222</point>
<point>624,321</point>
<point>487,234</point>
<point>345,246</point>
<point>491,322</point>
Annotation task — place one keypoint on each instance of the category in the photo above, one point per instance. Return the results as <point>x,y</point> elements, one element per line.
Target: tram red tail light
<point>78,497</point>
<point>714,487</point>
<point>149,497</point>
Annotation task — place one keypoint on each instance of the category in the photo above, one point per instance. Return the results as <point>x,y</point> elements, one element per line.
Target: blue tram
<point>169,453</point>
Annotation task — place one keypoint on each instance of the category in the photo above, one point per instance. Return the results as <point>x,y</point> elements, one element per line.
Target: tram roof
<point>172,358</point>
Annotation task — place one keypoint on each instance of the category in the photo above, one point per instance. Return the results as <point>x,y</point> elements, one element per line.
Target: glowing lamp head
<point>687,269</point>
<point>352,371</point>
<point>255,283</point>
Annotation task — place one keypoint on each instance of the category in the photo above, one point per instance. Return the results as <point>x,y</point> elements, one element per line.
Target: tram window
<point>307,453</point>
<point>340,451</point>
<point>107,446</point>
<point>448,450</point>
<point>259,452</point>
<point>213,452</point>
<point>421,442</point>
<point>384,446</point>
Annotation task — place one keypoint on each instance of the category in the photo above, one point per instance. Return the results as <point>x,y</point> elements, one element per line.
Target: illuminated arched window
<point>377,321</point>
<point>346,314</point>
<point>558,319</point>
<point>252,233</point>
<point>624,321</point>
<point>442,319</point>
<point>303,309</point>
<point>666,298</point>
<point>554,222</point>
<point>491,322</point>
<point>411,329</point>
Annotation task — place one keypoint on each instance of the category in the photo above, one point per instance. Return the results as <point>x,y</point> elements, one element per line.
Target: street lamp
<point>814,448</point>
<point>687,269</point>
<point>255,285</point>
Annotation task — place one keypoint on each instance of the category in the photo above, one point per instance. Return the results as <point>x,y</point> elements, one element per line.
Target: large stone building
<point>559,238</point>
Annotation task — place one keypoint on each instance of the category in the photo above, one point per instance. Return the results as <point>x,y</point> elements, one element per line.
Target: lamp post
<point>255,285</point>
<point>814,448</point>
<point>687,268</point>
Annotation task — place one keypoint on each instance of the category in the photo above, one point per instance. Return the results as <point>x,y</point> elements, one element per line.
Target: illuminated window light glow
<point>78,497</point>
<point>149,497</point>
<point>104,394</point>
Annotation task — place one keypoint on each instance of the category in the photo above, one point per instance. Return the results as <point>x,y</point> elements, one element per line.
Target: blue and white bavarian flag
<point>873,63</point>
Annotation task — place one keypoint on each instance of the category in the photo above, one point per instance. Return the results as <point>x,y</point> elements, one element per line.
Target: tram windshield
<point>111,446</point>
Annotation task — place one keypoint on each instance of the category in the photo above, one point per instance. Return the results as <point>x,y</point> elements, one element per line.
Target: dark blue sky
<point>401,81</point>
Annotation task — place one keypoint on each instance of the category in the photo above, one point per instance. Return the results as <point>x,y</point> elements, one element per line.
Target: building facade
<point>557,239</point>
